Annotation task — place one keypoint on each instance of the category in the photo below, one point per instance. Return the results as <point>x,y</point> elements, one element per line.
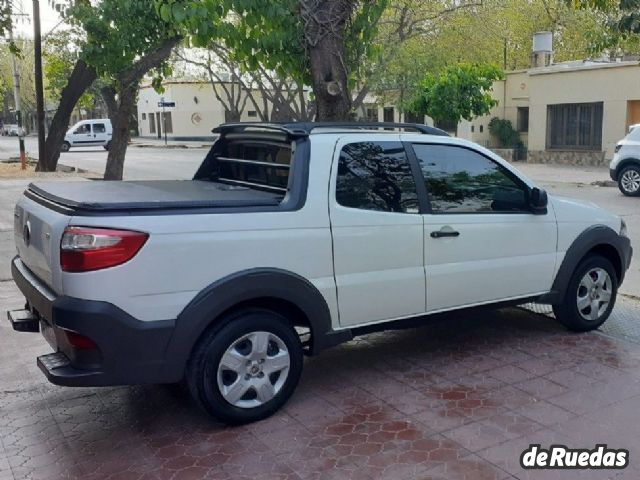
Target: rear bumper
<point>130,351</point>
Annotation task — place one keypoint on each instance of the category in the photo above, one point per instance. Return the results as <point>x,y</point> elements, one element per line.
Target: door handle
<point>441,233</point>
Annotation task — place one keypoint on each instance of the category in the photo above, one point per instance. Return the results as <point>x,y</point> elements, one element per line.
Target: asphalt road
<point>142,163</point>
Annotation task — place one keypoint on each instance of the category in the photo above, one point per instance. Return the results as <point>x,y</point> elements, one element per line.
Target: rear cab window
<point>376,176</point>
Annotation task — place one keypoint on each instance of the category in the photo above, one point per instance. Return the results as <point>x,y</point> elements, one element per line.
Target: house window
<point>252,113</point>
<point>523,119</point>
<point>152,123</point>
<point>371,114</point>
<point>388,114</point>
<point>574,126</point>
<point>144,116</point>
<point>481,128</point>
<point>168,124</point>
<point>473,128</point>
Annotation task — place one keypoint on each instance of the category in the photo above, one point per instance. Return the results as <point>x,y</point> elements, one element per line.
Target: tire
<point>235,398</point>
<point>578,310</point>
<point>107,146</point>
<point>629,181</point>
<point>65,147</point>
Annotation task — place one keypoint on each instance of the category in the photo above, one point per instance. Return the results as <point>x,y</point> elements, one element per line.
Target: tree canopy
<point>458,92</point>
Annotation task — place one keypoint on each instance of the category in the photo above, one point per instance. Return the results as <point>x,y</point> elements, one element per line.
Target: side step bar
<point>23,321</point>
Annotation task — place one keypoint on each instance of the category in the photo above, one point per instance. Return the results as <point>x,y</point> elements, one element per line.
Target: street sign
<point>166,104</point>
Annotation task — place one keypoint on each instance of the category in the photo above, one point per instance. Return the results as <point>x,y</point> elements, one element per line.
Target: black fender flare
<point>222,295</point>
<point>624,163</point>
<point>590,238</point>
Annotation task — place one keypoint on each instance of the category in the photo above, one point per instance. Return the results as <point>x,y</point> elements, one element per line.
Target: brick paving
<point>455,400</point>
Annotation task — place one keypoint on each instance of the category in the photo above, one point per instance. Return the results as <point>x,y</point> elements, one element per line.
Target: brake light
<point>79,341</point>
<point>84,249</point>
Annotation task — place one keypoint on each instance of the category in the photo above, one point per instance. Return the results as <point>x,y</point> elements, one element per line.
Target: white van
<point>89,133</point>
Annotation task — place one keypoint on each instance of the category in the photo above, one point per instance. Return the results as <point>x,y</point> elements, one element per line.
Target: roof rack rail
<point>300,129</point>
<point>276,127</point>
<point>425,129</point>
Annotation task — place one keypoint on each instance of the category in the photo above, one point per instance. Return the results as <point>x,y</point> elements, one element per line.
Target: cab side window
<point>83,129</point>
<point>376,176</point>
<point>460,180</point>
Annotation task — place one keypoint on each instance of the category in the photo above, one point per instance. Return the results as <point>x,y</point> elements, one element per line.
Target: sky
<point>49,18</point>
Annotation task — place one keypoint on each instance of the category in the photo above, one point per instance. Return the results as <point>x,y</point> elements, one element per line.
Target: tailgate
<point>37,234</point>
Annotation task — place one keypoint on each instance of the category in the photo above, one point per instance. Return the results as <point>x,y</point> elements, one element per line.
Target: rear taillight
<point>79,341</point>
<point>84,249</point>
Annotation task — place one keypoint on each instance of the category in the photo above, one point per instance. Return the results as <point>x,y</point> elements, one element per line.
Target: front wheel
<point>246,369</point>
<point>629,181</point>
<point>590,296</point>
<point>65,147</point>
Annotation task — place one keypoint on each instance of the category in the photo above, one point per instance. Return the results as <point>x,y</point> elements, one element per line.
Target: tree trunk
<point>231,116</point>
<point>324,28</point>
<point>120,115</point>
<point>81,78</point>
<point>121,111</point>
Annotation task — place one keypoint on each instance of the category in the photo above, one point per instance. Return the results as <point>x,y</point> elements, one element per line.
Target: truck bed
<point>104,197</point>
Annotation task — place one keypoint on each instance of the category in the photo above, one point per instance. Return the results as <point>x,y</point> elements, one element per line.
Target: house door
<point>633,112</point>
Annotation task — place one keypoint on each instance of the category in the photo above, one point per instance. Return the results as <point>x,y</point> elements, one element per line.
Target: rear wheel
<point>629,181</point>
<point>107,146</point>
<point>590,296</point>
<point>246,369</point>
<point>65,147</point>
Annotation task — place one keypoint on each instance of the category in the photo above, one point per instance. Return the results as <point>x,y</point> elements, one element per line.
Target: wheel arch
<point>279,290</point>
<point>598,239</point>
<point>624,163</point>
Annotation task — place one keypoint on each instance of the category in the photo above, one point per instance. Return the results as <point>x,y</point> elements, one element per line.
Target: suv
<point>290,239</point>
<point>625,165</point>
<point>89,133</point>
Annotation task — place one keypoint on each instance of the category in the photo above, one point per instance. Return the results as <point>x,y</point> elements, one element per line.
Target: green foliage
<point>6,9</point>
<point>621,17</point>
<point>457,92</point>
<point>119,32</point>
<point>269,34</point>
<point>504,132</point>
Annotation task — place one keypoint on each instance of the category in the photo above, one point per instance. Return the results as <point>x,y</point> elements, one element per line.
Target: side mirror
<point>538,201</point>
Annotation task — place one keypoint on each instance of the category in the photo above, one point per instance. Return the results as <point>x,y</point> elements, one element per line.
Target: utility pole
<point>37,50</point>
<point>16,100</point>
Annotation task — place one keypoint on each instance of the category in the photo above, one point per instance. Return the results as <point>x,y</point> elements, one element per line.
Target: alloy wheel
<point>594,294</point>
<point>253,369</point>
<point>630,181</point>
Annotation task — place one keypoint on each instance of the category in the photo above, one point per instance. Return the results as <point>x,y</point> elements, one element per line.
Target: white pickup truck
<point>290,239</point>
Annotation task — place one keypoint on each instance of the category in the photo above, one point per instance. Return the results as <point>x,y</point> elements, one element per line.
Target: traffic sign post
<point>164,104</point>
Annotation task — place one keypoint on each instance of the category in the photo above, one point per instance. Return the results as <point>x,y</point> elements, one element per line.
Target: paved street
<point>455,400</point>
<point>460,399</point>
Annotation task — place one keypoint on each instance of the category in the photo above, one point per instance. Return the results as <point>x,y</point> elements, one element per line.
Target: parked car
<point>89,133</point>
<point>290,239</point>
<point>12,130</point>
<point>625,165</point>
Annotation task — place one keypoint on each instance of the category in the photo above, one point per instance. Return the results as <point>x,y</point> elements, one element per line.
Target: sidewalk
<point>143,142</point>
<point>575,174</point>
